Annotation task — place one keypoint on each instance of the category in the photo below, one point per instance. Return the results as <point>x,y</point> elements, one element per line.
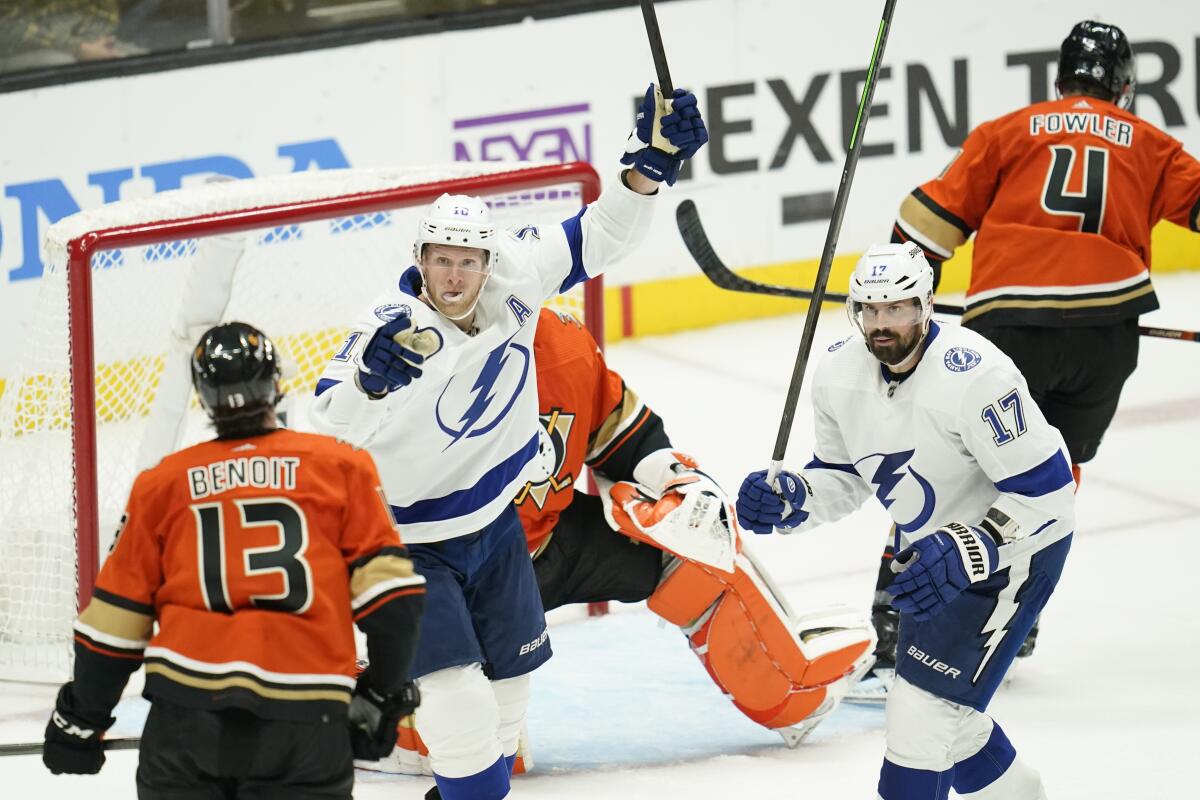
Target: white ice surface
<point>1106,709</point>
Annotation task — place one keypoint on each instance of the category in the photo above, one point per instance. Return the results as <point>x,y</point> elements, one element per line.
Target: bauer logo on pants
<point>933,662</point>
<point>529,647</point>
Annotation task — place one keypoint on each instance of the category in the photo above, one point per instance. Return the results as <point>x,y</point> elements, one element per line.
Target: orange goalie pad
<point>749,646</point>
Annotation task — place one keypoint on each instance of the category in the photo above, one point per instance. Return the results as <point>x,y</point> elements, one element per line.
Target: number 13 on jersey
<point>259,562</point>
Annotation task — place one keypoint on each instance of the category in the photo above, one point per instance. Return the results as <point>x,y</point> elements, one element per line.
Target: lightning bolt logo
<point>484,393</point>
<point>888,474</point>
<point>996,627</point>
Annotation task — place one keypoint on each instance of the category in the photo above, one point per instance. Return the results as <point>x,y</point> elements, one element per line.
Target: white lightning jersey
<point>959,435</point>
<point>455,445</point>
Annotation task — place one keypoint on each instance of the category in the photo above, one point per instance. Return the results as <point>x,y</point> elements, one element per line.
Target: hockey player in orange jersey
<point>1061,196</point>
<point>255,553</point>
<point>664,532</point>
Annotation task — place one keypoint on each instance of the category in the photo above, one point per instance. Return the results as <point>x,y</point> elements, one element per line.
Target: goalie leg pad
<point>754,653</point>
<point>748,644</point>
<point>685,592</point>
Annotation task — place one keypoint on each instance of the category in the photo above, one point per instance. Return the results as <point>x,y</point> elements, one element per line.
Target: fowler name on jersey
<point>1117,131</point>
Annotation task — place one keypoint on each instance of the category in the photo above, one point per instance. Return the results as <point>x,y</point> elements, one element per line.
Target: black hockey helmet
<point>1098,54</point>
<point>235,370</point>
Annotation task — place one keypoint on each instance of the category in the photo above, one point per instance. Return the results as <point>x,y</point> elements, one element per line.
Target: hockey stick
<point>657,52</point>
<point>687,219</point>
<point>35,748</point>
<point>831,238</point>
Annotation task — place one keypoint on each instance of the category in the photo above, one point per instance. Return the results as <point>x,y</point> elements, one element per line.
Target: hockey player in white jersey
<point>938,424</point>
<point>437,381</point>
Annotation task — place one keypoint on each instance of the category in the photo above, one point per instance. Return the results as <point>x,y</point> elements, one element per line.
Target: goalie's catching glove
<point>74,743</point>
<point>936,569</point>
<point>393,356</point>
<point>666,134</point>
<point>762,507</point>
<point>374,717</point>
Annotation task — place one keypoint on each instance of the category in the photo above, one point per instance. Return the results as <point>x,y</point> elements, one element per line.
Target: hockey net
<point>104,390</point>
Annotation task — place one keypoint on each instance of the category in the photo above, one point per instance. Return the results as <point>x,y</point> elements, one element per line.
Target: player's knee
<point>458,719</point>
<point>922,728</point>
<point>512,699</point>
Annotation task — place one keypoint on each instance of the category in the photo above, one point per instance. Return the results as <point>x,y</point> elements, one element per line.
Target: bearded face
<point>892,330</point>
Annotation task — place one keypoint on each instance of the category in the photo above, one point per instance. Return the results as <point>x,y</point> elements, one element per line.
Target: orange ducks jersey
<point>592,418</point>
<point>1061,196</point>
<point>255,556</point>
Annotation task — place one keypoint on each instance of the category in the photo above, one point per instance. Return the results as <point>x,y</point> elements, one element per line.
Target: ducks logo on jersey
<point>558,424</point>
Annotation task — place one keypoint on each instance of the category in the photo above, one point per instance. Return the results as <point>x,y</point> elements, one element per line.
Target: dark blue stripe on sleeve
<point>323,385</point>
<point>466,501</point>
<point>817,463</point>
<point>573,228</point>
<point>1048,476</point>
<point>410,282</point>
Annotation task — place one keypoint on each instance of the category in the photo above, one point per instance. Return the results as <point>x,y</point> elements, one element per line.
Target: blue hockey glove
<point>661,141</point>
<point>936,569</point>
<point>386,366</point>
<point>762,508</point>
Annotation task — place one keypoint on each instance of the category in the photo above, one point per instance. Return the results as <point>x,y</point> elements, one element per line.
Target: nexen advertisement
<point>778,87</point>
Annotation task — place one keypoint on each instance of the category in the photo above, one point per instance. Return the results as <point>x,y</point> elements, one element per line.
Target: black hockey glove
<point>374,717</point>
<point>74,745</point>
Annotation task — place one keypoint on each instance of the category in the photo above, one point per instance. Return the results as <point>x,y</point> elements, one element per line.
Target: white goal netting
<point>297,256</point>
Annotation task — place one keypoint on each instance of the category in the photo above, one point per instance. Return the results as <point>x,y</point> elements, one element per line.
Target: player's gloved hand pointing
<point>393,356</point>
<point>74,744</point>
<point>937,568</point>
<point>762,507</point>
<point>666,134</point>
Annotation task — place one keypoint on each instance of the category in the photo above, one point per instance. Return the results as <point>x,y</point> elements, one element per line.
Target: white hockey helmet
<point>887,273</point>
<point>459,220</point>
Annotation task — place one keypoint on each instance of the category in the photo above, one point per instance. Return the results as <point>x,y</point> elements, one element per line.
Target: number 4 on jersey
<point>1087,205</point>
<point>993,416</point>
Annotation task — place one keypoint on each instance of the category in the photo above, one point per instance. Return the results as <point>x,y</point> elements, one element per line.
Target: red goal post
<point>70,394</point>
